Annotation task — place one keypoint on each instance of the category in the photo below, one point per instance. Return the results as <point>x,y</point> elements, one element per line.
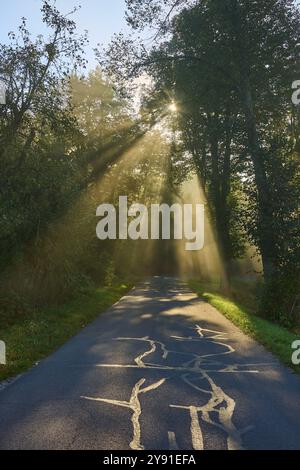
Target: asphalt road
<point>159,370</point>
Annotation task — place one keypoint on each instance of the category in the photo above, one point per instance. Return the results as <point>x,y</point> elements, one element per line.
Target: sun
<point>173,107</point>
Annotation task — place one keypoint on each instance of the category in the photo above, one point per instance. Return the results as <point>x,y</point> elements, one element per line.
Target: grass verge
<point>275,338</point>
<point>42,332</point>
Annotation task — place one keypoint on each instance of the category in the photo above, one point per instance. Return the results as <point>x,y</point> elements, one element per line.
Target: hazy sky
<point>101,18</point>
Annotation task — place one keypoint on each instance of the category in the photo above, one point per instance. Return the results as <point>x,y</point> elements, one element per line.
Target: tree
<point>40,170</point>
<point>243,56</point>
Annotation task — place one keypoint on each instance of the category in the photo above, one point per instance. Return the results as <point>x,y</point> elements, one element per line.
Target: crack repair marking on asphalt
<point>135,405</point>
<point>219,405</point>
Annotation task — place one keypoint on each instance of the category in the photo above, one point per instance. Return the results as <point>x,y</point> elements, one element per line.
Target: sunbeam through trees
<point>166,155</point>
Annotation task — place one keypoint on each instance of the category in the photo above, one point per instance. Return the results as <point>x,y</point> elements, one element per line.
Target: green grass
<point>275,338</point>
<point>34,337</point>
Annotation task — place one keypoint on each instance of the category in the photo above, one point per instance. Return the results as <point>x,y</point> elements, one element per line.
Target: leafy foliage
<point>229,66</point>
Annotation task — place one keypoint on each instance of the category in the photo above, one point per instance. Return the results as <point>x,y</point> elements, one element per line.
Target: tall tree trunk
<point>225,192</point>
<point>219,205</point>
<point>266,235</point>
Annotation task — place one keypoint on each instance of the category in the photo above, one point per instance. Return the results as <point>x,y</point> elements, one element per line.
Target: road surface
<point>160,370</point>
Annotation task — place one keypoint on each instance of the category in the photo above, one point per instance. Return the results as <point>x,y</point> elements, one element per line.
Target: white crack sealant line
<point>195,370</point>
<point>220,408</point>
<point>224,406</point>
<point>139,360</point>
<point>196,359</point>
<point>135,405</point>
<point>216,334</point>
<point>197,436</point>
<point>213,334</point>
<point>167,352</point>
<point>200,358</point>
<point>172,441</point>
<point>219,404</point>
<point>230,349</point>
<point>224,413</point>
<point>196,433</point>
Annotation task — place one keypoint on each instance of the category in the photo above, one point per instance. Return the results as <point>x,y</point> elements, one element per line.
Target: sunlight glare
<point>173,107</point>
